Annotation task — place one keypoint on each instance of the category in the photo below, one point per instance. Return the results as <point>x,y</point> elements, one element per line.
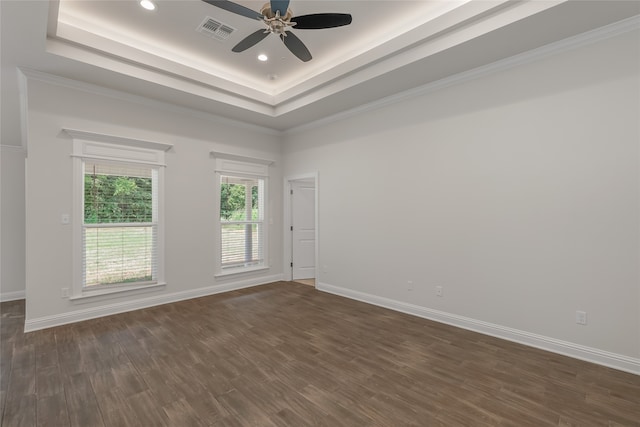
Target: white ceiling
<point>390,47</point>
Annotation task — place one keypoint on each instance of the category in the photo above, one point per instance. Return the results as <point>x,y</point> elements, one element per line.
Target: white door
<point>303,234</point>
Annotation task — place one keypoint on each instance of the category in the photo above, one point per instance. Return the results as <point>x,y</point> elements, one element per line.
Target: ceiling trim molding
<point>570,43</point>
<point>189,80</point>
<point>141,100</point>
<point>68,33</point>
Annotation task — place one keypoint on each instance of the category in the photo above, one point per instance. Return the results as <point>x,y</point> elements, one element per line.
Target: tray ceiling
<point>390,47</point>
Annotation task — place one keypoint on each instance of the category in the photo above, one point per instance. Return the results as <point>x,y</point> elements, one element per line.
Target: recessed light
<point>148,4</point>
<point>262,57</point>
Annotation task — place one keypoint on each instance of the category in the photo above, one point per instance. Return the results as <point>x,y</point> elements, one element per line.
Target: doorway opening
<point>301,229</point>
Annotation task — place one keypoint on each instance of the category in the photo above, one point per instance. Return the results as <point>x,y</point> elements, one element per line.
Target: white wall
<point>517,192</point>
<point>12,262</point>
<point>189,197</point>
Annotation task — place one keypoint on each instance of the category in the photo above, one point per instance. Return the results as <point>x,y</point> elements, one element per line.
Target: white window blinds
<point>241,221</point>
<point>120,223</point>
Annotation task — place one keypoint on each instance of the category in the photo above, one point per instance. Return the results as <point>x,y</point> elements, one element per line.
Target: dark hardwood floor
<point>285,354</point>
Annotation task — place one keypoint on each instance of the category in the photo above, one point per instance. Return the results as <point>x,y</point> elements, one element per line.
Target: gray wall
<point>517,192</point>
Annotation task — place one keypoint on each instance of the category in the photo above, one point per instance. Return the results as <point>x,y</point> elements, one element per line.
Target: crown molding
<point>94,89</point>
<point>570,43</point>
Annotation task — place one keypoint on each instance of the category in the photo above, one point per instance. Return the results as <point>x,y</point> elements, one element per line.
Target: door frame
<point>287,236</point>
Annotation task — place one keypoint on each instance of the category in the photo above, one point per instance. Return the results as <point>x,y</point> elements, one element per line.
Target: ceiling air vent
<point>215,29</point>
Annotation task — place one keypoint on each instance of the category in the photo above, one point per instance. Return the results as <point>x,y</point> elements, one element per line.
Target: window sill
<point>101,294</point>
<point>241,271</point>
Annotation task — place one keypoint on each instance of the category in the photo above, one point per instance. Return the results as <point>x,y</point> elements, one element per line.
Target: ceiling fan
<point>278,18</point>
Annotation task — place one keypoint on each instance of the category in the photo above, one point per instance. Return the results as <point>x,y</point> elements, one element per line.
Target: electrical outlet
<point>64,292</point>
<point>65,219</point>
<point>409,285</point>
<point>581,317</point>
<point>438,291</point>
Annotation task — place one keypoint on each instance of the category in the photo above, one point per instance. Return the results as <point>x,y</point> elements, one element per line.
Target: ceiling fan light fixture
<point>148,4</point>
<point>271,15</point>
<point>263,58</point>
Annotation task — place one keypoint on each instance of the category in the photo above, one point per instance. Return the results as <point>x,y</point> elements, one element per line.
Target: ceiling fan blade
<point>279,6</point>
<point>235,8</point>
<point>318,21</point>
<point>295,45</point>
<point>250,41</point>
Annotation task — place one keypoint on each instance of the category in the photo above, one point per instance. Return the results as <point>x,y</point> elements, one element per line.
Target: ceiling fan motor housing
<point>275,23</point>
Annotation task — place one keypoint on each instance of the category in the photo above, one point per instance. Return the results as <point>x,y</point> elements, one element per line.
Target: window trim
<point>92,146</point>
<point>249,167</point>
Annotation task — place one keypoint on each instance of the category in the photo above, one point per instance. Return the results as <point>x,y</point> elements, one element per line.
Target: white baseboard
<point>611,360</point>
<point>45,322</point>
<point>11,296</point>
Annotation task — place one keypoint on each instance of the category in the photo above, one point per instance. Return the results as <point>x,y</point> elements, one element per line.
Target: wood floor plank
<point>82,405</point>
<point>20,411</point>
<point>208,408</point>
<point>52,411</point>
<point>181,413</point>
<point>240,407</point>
<point>341,411</point>
<point>49,381</point>
<point>285,354</point>
<point>147,409</point>
<point>288,418</point>
<point>128,380</point>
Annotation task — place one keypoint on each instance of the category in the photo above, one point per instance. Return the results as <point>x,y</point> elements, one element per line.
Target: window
<point>120,224</point>
<point>241,190</point>
<point>241,222</point>
<point>118,203</point>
